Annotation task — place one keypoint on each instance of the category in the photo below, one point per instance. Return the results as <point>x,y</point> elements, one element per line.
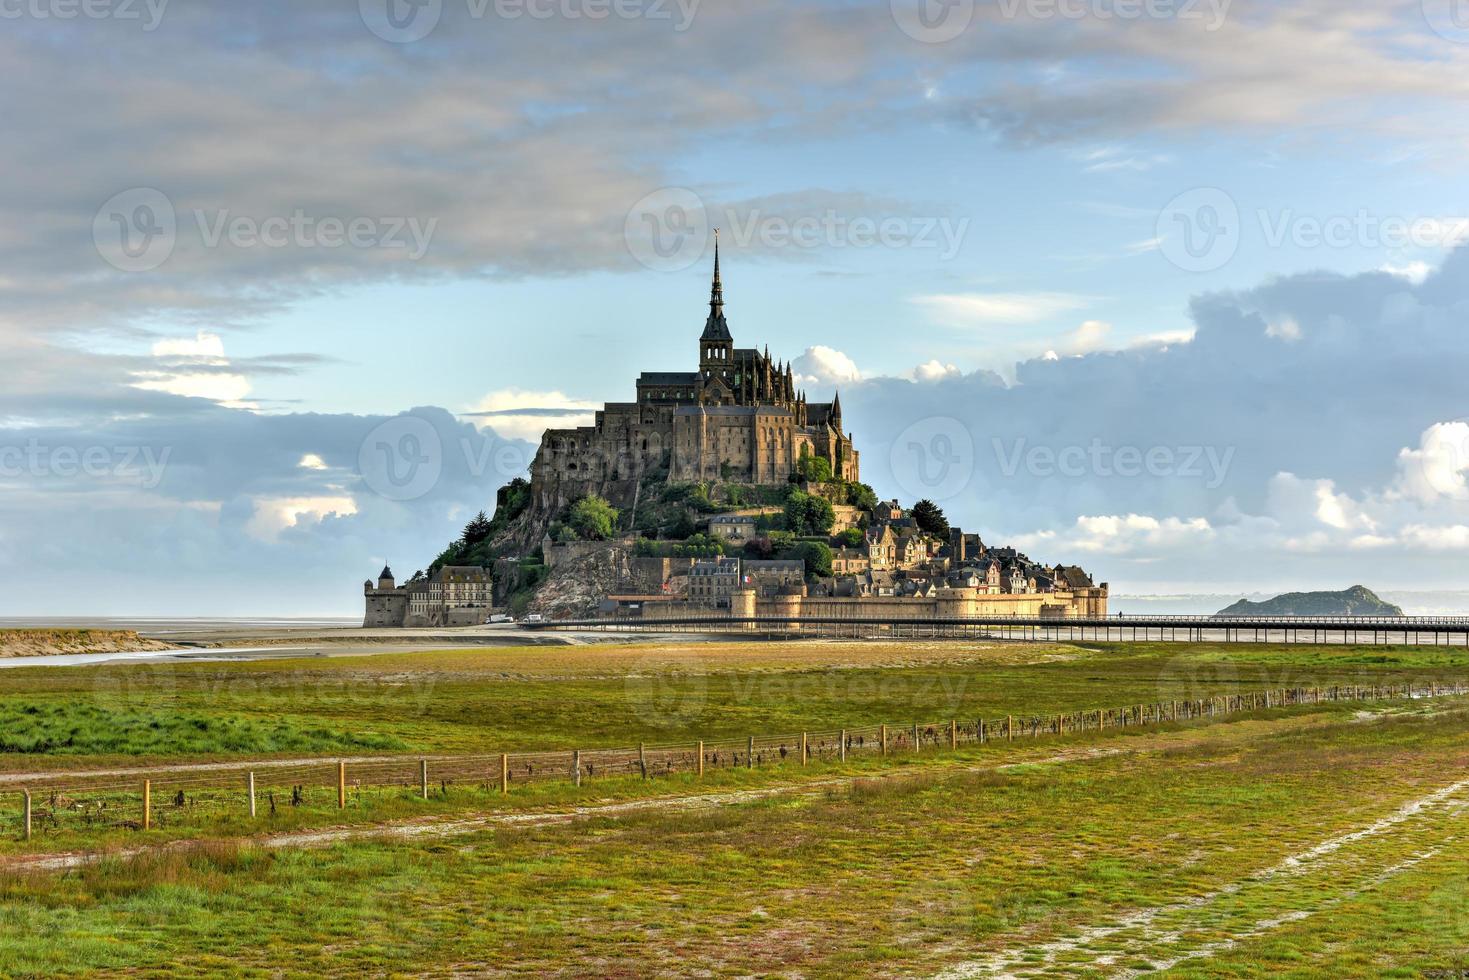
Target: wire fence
<point>145,798</point>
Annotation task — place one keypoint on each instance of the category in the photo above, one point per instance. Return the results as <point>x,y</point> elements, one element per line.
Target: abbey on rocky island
<point>800,535</point>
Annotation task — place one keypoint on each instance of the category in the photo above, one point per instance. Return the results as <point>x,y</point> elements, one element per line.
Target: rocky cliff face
<point>577,584</point>
<point>1356,601</point>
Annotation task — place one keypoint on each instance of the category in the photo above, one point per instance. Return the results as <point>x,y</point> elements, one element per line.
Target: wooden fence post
<point>341,785</point>
<point>701,760</point>
<point>953,733</point>
<point>147,803</point>
<point>1009,728</point>
<point>750,753</point>
<point>883,729</point>
<point>642,760</point>
<point>26,809</point>
<point>980,729</point>
<point>805,749</point>
<point>504,773</point>
<point>252,795</point>
<point>576,767</point>
<point>915,736</point>
<point>842,747</point>
<point>423,776</point>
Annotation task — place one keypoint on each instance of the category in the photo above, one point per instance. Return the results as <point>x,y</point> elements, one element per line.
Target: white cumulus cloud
<point>825,366</point>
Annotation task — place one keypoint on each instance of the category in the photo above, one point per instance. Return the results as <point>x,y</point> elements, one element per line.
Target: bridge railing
<point>1395,623</point>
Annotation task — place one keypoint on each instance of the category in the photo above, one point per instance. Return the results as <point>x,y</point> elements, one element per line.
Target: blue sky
<point>1221,231</point>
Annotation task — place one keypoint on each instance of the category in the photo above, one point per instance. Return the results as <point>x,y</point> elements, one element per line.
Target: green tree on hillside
<point>684,525</point>
<point>928,517</point>
<point>476,530</point>
<point>861,496</point>
<point>816,555</point>
<point>807,514</point>
<point>813,469</point>
<point>593,518</point>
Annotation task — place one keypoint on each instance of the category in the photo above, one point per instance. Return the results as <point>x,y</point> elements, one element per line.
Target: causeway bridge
<point>1375,630</point>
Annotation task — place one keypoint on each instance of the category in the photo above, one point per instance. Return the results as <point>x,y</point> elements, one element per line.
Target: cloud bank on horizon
<point>241,242</point>
<point>1248,456</point>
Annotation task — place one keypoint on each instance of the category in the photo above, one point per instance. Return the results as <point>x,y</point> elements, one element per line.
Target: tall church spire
<point>715,328</point>
<point>716,291</point>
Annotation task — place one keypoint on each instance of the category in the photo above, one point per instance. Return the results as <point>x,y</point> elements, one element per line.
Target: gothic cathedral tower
<point>716,347</point>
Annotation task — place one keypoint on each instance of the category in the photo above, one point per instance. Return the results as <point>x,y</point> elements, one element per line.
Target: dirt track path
<point>1299,886</point>
<point>449,827</point>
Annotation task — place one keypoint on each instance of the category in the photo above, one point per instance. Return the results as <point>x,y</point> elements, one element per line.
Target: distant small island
<point>1356,601</point>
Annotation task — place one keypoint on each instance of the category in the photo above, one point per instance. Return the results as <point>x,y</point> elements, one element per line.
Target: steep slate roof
<point>668,378</point>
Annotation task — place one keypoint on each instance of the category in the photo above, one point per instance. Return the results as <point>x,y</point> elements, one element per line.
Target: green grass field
<point>585,697</point>
<point>1325,841</point>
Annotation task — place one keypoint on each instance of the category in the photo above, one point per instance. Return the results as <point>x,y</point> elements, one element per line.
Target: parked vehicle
<point>535,618</point>
<point>500,618</point>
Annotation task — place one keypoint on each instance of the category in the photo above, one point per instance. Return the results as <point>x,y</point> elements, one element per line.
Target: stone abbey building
<point>739,418</point>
